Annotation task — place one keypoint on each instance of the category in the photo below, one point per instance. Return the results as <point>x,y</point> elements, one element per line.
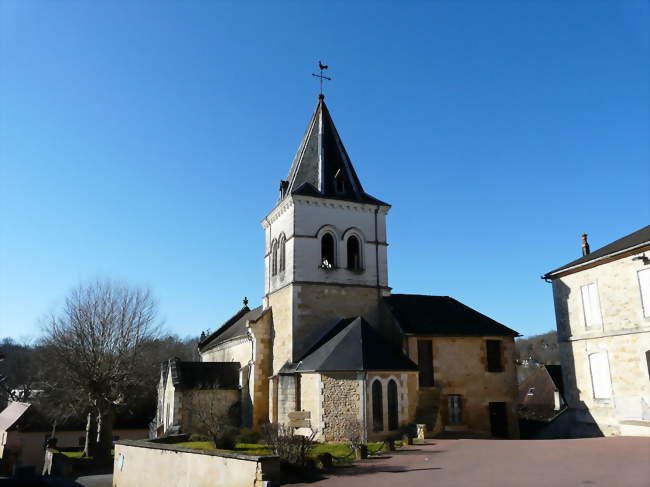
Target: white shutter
<point>600,378</point>
<point>644,284</point>
<point>591,306</point>
<point>586,306</point>
<point>595,305</point>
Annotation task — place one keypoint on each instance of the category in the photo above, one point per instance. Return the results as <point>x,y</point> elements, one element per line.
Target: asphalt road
<point>591,462</point>
<point>605,462</point>
<point>96,480</point>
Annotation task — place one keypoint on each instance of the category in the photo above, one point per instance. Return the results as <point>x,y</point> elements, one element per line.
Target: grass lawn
<point>248,448</point>
<point>76,454</point>
<point>340,452</point>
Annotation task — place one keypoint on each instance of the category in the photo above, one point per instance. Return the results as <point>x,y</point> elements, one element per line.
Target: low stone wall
<point>144,464</point>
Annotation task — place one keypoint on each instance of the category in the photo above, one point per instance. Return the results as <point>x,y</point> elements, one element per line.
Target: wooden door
<point>499,419</point>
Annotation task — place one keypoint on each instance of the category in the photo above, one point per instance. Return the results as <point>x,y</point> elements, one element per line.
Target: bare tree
<point>215,422</point>
<point>287,444</point>
<point>97,340</point>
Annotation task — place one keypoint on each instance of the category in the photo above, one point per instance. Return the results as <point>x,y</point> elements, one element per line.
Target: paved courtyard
<point>607,462</point>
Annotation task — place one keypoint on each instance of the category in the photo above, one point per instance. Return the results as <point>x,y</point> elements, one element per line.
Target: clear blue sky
<point>144,141</point>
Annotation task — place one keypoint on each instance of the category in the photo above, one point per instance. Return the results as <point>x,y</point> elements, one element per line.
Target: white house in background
<point>602,307</point>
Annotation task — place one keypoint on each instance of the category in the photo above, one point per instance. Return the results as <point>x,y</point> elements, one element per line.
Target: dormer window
<point>327,251</point>
<point>339,183</point>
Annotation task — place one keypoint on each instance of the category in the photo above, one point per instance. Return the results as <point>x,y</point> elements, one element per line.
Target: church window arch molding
<point>387,402</point>
<point>327,237</point>
<point>354,244</point>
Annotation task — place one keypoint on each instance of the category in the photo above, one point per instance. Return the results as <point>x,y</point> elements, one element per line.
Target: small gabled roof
<point>638,239</point>
<point>12,413</point>
<point>204,375</point>
<point>232,328</point>
<point>353,345</point>
<point>321,160</point>
<point>537,394</point>
<point>441,315</point>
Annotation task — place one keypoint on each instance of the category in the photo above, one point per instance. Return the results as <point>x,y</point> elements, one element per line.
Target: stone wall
<point>341,402</point>
<point>286,396</point>
<point>281,302</point>
<point>144,464</point>
<point>624,337</point>
<point>459,367</point>
<point>318,307</point>
<point>262,331</point>
<point>220,400</point>
<point>310,399</point>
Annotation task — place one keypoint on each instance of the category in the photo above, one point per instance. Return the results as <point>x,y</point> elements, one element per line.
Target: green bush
<point>248,435</point>
<point>227,439</point>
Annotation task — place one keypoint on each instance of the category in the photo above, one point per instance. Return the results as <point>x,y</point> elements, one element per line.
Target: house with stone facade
<point>331,344</point>
<point>602,308</point>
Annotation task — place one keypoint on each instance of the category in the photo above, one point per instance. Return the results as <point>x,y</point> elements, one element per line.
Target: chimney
<point>585,245</point>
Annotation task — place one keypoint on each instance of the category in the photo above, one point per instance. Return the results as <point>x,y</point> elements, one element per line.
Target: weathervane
<point>322,67</point>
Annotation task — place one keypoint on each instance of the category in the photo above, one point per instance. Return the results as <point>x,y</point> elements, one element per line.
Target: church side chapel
<point>331,345</point>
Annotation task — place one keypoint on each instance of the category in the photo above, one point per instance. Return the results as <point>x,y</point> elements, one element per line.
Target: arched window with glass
<point>393,405</point>
<point>377,407</point>
<point>283,253</point>
<point>354,253</point>
<point>327,251</point>
<point>274,258</point>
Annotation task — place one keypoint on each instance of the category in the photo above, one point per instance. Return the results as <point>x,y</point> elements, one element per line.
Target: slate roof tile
<point>353,345</point>
<point>321,160</point>
<point>441,315</point>
<point>634,239</point>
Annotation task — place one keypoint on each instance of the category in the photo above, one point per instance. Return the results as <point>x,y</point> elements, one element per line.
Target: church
<point>331,345</point>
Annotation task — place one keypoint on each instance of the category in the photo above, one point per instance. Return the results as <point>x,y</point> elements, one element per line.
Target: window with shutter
<point>644,285</point>
<point>493,348</point>
<point>591,306</point>
<point>425,363</point>
<point>600,378</point>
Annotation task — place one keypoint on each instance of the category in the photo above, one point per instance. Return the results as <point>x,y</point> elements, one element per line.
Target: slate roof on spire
<point>322,167</point>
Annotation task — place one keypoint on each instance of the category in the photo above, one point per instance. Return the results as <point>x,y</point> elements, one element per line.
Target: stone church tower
<point>325,244</point>
<point>331,347</point>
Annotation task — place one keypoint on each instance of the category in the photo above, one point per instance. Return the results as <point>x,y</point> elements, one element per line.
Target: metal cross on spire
<point>322,67</point>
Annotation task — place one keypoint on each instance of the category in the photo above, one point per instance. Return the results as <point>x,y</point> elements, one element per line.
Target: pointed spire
<point>322,166</point>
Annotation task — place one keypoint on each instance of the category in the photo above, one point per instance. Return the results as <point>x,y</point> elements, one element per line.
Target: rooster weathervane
<point>321,76</point>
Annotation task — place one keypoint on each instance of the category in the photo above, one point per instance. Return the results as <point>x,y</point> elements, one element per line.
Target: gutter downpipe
<point>268,291</point>
<point>377,255</point>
